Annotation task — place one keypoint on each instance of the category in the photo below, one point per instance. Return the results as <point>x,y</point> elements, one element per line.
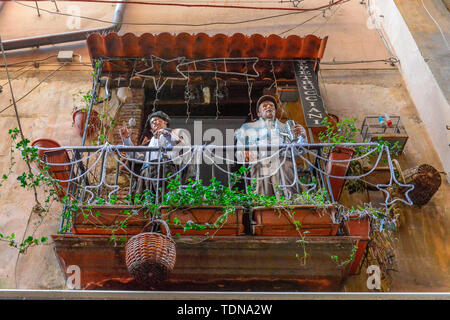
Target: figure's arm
<point>303,137</point>
<point>240,142</point>
<point>182,139</point>
<point>243,156</point>
<point>126,140</point>
<point>300,132</point>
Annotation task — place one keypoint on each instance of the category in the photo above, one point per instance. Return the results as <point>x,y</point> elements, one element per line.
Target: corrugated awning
<point>196,53</point>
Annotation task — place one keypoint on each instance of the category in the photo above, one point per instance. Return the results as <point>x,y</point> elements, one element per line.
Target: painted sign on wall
<point>308,88</point>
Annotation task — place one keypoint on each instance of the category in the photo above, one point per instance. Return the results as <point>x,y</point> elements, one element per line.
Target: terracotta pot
<point>58,156</point>
<point>359,228</point>
<point>338,169</point>
<point>317,130</point>
<point>379,175</point>
<point>103,219</point>
<point>79,119</point>
<point>202,215</point>
<point>279,222</point>
<point>334,119</point>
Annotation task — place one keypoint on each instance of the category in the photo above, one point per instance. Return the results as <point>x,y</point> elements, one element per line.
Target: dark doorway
<point>209,119</point>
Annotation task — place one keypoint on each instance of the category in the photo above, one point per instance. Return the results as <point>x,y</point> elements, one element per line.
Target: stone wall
<point>132,108</point>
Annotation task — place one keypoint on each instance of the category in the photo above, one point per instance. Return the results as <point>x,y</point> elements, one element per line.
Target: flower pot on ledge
<point>79,119</point>
<point>55,156</point>
<point>359,227</point>
<point>338,169</point>
<point>109,219</point>
<point>380,175</point>
<point>279,221</point>
<point>201,215</point>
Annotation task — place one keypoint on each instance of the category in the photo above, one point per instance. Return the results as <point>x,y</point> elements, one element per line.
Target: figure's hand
<point>160,132</point>
<point>299,131</point>
<point>247,156</point>
<point>176,138</point>
<point>124,132</point>
<point>145,141</point>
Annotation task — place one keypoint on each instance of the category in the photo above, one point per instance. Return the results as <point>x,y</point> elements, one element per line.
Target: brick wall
<point>134,108</point>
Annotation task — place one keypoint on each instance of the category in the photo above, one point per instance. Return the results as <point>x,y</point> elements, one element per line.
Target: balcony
<point>226,234</point>
<point>229,234</point>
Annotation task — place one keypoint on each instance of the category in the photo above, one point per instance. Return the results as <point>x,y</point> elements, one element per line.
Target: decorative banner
<point>308,89</point>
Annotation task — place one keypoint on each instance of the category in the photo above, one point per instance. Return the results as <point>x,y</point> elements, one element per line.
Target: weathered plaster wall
<point>422,253</point>
<point>429,91</point>
<point>369,88</point>
<point>46,113</point>
<point>349,38</point>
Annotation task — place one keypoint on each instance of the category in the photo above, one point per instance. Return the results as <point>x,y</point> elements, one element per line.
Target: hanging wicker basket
<point>150,256</point>
<point>426,180</point>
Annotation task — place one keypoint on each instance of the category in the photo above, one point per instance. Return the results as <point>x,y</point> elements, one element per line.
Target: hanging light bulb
<point>206,95</point>
<point>221,92</point>
<point>132,122</point>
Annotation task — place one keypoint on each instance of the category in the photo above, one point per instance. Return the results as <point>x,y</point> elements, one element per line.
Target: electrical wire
<point>391,60</point>
<point>16,76</point>
<point>327,20</point>
<point>166,24</point>
<point>437,24</point>
<point>330,4</point>
<point>387,46</point>
<point>300,24</point>
<point>40,82</point>
<point>28,61</point>
<point>295,3</point>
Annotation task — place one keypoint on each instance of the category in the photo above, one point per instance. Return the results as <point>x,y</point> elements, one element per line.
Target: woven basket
<point>426,180</point>
<point>150,256</point>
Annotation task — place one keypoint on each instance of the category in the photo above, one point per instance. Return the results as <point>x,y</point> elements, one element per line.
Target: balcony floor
<point>226,263</point>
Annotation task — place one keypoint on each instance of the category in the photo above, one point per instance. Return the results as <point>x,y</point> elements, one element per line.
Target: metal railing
<point>117,171</point>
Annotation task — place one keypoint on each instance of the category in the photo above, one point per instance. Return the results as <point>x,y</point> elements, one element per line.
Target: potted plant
<point>380,174</point>
<point>345,132</point>
<point>305,214</point>
<point>359,222</point>
<point>197,209</point>
<point>109,219</point>
<point>59,172</point>
<point>113,217</point>
<point>337,133</point>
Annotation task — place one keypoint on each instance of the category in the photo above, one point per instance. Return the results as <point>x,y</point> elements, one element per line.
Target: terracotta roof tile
<point>202,46</point>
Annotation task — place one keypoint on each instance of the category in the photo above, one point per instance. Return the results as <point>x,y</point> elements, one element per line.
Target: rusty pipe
<point>57,38</point>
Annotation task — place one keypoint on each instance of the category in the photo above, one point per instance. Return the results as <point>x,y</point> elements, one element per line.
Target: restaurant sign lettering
<point>308,88</point>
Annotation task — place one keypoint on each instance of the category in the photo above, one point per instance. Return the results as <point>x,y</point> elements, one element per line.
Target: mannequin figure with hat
<point>268,130</point>
<point>163,136</point>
